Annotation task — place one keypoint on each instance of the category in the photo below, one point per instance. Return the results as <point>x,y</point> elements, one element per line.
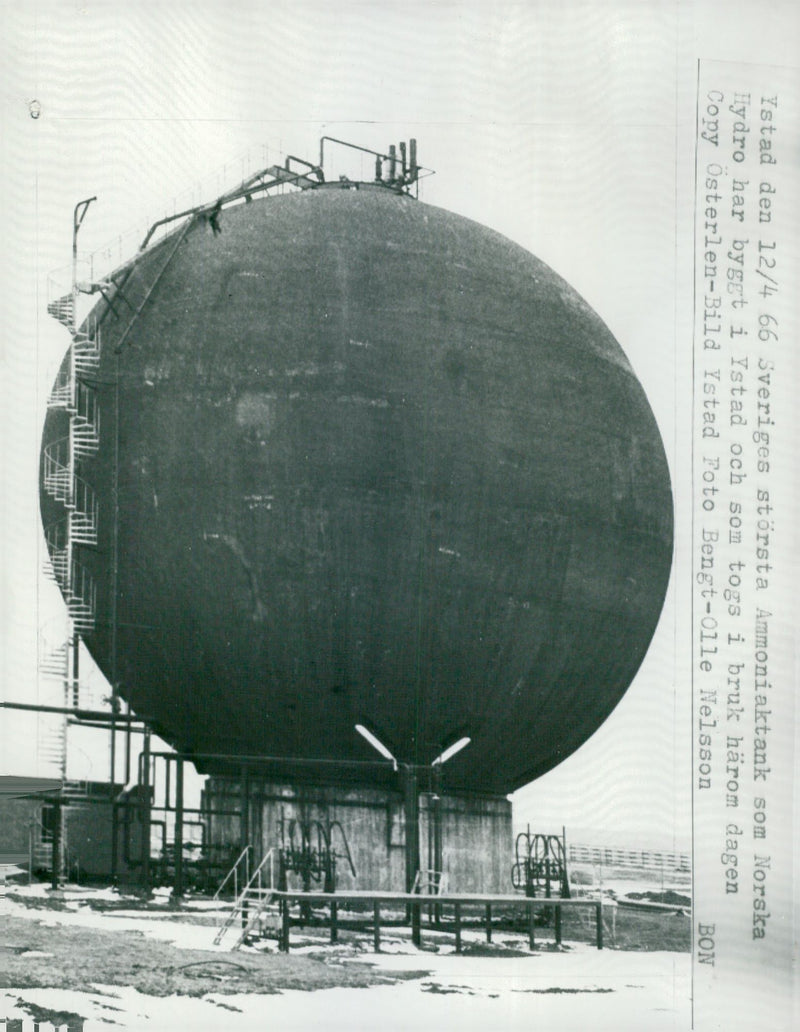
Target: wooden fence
<point>641,858</point>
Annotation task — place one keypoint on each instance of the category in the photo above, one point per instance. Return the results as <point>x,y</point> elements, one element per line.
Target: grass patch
<point>632,929</point>
<point>635,930</point>
<point>669,896</point>
<point>84,957</point>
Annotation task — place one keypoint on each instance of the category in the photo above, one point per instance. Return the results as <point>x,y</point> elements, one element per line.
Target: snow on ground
<point>580,988</point>
<point>155,924</point>
<point>570,992</point>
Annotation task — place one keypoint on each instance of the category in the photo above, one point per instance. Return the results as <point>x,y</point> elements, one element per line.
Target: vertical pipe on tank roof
<point>413,167</point>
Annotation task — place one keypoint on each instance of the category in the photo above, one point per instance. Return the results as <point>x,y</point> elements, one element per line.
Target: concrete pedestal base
<point>474,830</point>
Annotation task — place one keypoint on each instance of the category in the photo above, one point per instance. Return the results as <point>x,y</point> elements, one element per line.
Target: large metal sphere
<point>376,464</point>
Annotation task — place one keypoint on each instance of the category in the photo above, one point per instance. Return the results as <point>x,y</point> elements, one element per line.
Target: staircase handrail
<point>256,875</point>
<point>56,453</point>
<point>246,895</point>
<point>85,501</point>
<point>232,873</point>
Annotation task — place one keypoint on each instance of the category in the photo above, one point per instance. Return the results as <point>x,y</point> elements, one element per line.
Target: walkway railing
<point>458,902</point>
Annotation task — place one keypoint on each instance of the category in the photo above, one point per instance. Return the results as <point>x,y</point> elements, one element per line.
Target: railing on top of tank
<point>257,183</point>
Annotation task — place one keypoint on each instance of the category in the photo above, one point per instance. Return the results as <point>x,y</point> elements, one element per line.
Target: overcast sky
<point>552,123</point>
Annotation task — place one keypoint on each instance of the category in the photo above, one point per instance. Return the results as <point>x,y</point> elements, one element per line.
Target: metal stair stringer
<point>254,918</point>
<point>253,900</point>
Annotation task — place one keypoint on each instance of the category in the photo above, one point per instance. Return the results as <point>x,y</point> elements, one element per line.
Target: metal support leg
<point>416,924</point>
<point>458,927</point>
<point>531,926</point>
<point>56,853</point>
<point>177,890</point>
<point>376,925</point>
<point>599,919</point>
<point>488,922</point>
<point>411,792</point>
<point>113,795</point>
<point>334,921</point>
<point>146,812</point>
<point>438,852</point>
<point>284,943</point>
<point>245,807</point>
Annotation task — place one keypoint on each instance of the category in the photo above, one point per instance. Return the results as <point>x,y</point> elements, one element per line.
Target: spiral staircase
<point>76,509</point>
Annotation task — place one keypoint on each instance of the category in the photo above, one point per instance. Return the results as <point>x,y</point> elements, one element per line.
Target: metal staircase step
<point>54,664</point>
<point>63,309</point>
<point>253,901</point>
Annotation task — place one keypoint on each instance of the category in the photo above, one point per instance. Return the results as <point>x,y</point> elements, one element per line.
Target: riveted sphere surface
<point>376,464</point>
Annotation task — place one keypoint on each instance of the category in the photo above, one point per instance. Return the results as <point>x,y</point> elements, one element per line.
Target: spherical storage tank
<point>364,461</point>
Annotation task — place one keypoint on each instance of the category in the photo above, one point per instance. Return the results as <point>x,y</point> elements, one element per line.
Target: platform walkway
<point>415,903</point>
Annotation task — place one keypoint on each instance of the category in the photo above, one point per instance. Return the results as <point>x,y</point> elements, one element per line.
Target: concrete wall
<point>476,831</point>
<point>477,843</point>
